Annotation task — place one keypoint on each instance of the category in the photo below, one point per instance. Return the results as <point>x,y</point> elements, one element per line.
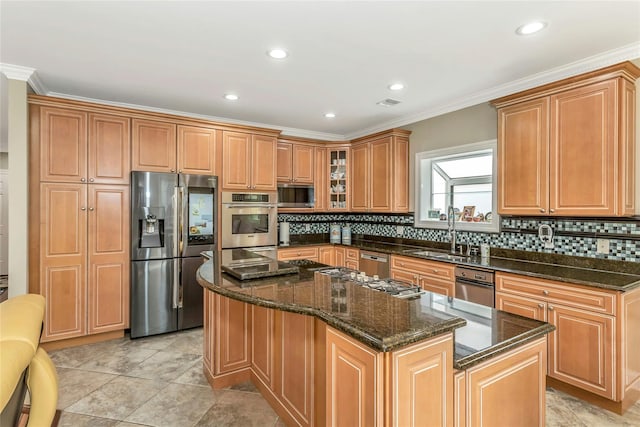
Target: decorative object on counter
<point>346,235</point>
<point>467,213</point>
<point>284,234</point>
<point>484,250</point>
<point>334,233</point>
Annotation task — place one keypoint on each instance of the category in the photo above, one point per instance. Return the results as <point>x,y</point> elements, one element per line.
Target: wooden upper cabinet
<point>109,149</point>
<point>303,163</point>
<point>63,145</point>
<point>583,150</point>
<point>295,163</point>
<point>523,158</point>
<point>380,174</point>
<point>236,158</point>
<point>360,177</point>
<point>263,163</point>
<point>153,146</point>
<point>284,169</point>
<point>567,148</point>
<point>197,150</point>
<point>249,162</point>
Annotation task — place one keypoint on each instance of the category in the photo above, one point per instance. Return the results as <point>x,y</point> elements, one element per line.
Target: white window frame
<point>423,181</point>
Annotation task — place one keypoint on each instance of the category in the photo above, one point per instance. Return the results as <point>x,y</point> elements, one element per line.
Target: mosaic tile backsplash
<point>577,237</point>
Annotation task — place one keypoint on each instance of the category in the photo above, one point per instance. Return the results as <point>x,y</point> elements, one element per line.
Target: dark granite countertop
<point>381,321</point>
<point>603,274</point>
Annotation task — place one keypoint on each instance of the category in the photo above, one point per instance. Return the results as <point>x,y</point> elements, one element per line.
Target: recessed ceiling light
<point>530,28</point>
<point>231,97</point>
<point>396,86</point>
<point>278,53</point>
<point>330,115</point>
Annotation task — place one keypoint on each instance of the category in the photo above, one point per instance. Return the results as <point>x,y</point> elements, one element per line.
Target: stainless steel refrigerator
<point>173,219</point>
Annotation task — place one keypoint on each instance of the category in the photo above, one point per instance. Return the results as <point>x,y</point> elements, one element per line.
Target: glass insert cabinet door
<point>338,179</point>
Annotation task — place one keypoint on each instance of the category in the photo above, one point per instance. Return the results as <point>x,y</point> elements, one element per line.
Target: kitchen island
<point>327,351</point>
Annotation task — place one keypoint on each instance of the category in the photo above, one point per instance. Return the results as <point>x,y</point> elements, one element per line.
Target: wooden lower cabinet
<point>508,390</point>
<point>584,348</point>
<point>314,375</point>
<point>340,257</point>
<point>327,255</point>
<point>354,382</point>
<point>263,344</point>
<point>302,252</point>
<point>432,276</point>
<point>352,258</point>
<point>422,383</point>
<point>295,387</point>
<point>84,259</point>
<point>581,349</point>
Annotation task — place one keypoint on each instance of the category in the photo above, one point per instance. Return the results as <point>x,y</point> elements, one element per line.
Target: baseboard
<point>88,339</point>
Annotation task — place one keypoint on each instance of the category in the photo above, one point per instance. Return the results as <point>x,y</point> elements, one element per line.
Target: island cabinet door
<point>233,344</point>
<point>509,389</point>
<point>422,383</point>
<point>262,344</point>
<point>295,338</point>
<point>354,382</point>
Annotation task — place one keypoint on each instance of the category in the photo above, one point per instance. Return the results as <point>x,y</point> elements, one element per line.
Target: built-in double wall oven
<point>249,220</point>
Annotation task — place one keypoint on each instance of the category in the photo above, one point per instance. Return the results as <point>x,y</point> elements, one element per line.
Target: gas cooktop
<point>392,287</point>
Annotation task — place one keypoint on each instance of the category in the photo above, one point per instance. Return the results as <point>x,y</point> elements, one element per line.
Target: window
<point>462,177</point>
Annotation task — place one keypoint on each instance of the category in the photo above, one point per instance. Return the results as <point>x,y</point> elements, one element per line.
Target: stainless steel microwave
<point>296,196</point>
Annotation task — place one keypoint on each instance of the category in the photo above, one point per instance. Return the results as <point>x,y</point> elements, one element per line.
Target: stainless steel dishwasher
<point>374,263</point>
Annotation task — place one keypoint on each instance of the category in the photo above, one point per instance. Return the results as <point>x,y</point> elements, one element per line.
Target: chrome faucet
<point>451,225</point>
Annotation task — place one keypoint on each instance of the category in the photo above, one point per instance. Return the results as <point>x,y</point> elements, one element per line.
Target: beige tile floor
<point>158,381</point>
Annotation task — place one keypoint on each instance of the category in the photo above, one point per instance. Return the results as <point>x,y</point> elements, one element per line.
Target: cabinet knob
<point>82,179</point>
<point>173,170</point>
<point>180,170</point>
<point>542,211</point>
<point>551,308</point>
<point>83,208</point>
<point>435,271</point>
<point>91,179</point>
<point>248,186</point>
<point>415,278</point>
<point>552,210</point>
<point>541,305</point>
<point>90,209</point>
<point>545,292</point>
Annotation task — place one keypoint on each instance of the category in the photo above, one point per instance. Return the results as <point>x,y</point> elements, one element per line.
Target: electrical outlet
<point>399,230</point>
<point>602,246</point>
<point>307,227</point>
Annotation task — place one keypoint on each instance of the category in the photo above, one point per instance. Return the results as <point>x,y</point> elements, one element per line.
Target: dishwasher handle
<point>372,257</point>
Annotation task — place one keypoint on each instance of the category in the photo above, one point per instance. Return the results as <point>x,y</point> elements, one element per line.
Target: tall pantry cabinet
<point>79,206</point>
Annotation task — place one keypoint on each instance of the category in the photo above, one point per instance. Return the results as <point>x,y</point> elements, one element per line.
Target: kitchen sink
<point>441,255</point>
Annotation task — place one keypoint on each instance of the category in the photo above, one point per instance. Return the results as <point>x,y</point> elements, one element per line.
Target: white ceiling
<point>183,56</point>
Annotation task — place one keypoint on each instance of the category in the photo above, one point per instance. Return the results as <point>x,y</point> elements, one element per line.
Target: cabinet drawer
<point>353,254</point>
<point>575,296</point>
<point>435,269</point>
<point>298,253</point>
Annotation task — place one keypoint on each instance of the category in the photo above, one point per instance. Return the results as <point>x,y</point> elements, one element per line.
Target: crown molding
<point>591,63</point>
<point>16,72</point>
<point>285,130</point>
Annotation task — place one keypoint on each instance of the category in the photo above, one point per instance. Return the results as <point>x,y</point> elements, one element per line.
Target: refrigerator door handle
<point>176,287</point>
<point>177,205</point>
<point>182,216</point>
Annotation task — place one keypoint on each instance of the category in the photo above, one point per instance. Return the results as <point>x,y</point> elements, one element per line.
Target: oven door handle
<point>249,205</point>
<point>473,283</point>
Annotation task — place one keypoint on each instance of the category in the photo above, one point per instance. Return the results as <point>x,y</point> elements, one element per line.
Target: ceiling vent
<point>388,102</point>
